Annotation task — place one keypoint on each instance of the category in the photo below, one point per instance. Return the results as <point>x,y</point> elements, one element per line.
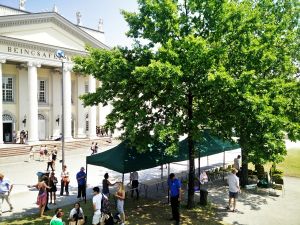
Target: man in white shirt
<point>134,179</point>
<point>96,205</point>
<point>5,189</point>
<point>234,189</point>
<point>237,163</point>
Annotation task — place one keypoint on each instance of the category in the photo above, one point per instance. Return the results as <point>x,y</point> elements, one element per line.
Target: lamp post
<point>61,55</point>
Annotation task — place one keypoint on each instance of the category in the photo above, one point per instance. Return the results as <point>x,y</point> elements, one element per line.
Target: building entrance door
<point>7,132</point>
<point>42,127</point>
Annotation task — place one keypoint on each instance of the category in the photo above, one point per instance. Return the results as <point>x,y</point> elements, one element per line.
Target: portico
<point>31,76</point>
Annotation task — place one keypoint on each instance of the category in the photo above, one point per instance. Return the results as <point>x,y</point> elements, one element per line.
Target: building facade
<point>34,80</point>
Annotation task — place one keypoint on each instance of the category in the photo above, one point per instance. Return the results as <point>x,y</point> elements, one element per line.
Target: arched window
<point>7,118</point>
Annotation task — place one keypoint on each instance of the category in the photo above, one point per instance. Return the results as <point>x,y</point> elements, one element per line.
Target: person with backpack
<point>106,217</point>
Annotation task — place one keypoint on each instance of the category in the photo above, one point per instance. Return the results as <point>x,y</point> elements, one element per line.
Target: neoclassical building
<point>33,83</point>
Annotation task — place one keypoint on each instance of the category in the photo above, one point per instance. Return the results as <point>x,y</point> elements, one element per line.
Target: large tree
<point>195,72</point>
<point>256,81</point>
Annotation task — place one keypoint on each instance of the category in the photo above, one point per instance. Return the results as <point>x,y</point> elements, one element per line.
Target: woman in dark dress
<point>105,185</point>
<point>52,184</point>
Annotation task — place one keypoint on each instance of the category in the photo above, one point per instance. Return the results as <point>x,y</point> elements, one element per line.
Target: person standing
<point>105,185</point>
<point>54,156</point>
<point>97,198</point>
<point>96,148</point>
<point>52,184</point>
<point>237,165</point>
<point>120,195</point>
<point>175,193</point>
<point>5,190</point>
<point>234,189</point>
<point>134,179</point>
<point>65,180</point>
<point>81,181</point>
<point>42,153</point>
<point>50,161</point>
<point>42,195</point>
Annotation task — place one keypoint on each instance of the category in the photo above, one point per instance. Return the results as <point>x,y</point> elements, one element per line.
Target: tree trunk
<point>244,169</point>
<point>191,202</point>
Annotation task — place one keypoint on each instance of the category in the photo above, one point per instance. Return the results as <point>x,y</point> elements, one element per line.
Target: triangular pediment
<point>47,28</point>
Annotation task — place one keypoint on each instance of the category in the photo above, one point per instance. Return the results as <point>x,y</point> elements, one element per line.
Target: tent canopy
<point>124,159</point>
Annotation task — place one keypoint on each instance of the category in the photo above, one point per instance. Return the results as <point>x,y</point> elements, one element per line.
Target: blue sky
<point>91,10</point>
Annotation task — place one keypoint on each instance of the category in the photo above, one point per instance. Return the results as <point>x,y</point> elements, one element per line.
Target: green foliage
<point>226,65</point>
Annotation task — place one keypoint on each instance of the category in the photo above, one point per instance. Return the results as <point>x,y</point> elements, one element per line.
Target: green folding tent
<point>124,158</point>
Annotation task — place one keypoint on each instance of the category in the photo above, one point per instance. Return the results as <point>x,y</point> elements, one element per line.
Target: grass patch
<point>141,212</point>
<point>291,165</point>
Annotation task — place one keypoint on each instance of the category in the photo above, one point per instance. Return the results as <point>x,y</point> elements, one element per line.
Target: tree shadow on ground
<point>254,200</point>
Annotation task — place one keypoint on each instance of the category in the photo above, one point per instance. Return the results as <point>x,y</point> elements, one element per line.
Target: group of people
<point>19,137</point>
<point>100,215</point>
<point>94,148</point>
<point>47,191</point>
<point>47,188</point>
<point>44,153</point>
<point>76,216</point>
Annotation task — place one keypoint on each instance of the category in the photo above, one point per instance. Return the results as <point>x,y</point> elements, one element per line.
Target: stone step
<point>23,149</point>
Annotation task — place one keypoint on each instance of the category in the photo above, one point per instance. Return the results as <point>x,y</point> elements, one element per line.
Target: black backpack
<point>105,205</point>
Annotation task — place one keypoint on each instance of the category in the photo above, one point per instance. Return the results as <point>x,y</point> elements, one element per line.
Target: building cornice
<point>50,17</point>
<point>14,43</point>
<point>38,46</point>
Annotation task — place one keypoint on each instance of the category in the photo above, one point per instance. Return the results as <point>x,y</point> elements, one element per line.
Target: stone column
<point>32,118</point>
<point>1,107</point>
<point>56,103</point>
<point>92,109</point>
<point>67,101</point>
<point>81,112</point>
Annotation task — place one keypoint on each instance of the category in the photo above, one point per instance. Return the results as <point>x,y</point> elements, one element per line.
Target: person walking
<point>120,195</point>
<point>81,181</point>
<point>105,185</point>
<point>65,180</point>
<point>93,148</point>
<point>31,154</point>
<point>134,179</point>
<point>52,184</point>
<point>234,189</point>
<point>175,193</point>
<point>5,190</point>
<point>97,198</point>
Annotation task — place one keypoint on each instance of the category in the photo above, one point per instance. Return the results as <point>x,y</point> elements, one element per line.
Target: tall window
<point>87,122</point>
<point>7,89</point>
<point>42,91</point>
<point>86,88</point>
